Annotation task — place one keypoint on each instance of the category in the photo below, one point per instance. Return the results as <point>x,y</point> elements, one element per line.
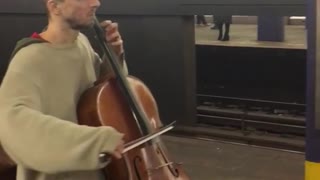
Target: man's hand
<point>117,153</point>
<point>113,36</point>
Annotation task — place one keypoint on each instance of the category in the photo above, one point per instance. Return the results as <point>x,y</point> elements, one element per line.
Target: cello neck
<point>121,79</point>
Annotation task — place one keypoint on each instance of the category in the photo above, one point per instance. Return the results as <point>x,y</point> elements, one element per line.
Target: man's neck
<point>59,34</point>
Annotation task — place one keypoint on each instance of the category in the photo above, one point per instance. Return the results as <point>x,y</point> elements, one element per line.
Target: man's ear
<point>54,7</point>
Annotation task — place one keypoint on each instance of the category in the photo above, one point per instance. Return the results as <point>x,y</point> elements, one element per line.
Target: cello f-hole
<point>171,167</point>
<point>137,160</point>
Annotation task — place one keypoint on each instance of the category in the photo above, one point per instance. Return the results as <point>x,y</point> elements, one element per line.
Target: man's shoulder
<point>83,37</point>
<point>27,53</point>
<point>84,40</point>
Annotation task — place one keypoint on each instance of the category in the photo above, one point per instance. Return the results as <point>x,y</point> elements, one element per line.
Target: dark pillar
<point>313,92</point>
<point>271,28</point>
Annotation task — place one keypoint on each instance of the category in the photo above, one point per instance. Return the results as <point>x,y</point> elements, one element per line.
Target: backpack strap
<point>25,42</point>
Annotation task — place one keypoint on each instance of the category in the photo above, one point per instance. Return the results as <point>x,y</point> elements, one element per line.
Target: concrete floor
<point>246,35</point>
<point>208,160</point>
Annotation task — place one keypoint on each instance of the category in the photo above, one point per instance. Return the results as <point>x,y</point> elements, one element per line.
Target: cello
<point>126,103</point>
<point>7,166</point>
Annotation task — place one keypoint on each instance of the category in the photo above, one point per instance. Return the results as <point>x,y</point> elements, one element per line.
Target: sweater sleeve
<point>44,143</point>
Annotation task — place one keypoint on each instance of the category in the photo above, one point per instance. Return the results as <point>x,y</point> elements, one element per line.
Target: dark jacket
<point>223,19</point>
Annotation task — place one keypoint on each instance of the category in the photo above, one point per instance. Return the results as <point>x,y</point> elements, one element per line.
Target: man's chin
<point>82,26</point>
<point>78,25</point>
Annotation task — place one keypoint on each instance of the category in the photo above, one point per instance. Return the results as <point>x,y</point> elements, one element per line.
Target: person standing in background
<point>201,20</point>
<point>220,21</point>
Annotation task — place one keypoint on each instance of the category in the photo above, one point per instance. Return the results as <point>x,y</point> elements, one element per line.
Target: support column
<point>271,28</point>
<point>312,166</point>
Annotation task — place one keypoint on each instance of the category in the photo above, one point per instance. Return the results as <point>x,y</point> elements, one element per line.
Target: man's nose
<point>95,3</point>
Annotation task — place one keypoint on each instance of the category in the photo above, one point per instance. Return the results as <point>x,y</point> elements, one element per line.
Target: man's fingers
<point>118,151</point>
<point>117,43</point>
<point>111,28</point>
<point>117,155</point>
<point>113,37</point>
<point>106,23</point>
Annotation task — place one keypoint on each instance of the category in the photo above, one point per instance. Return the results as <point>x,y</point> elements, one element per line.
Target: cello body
<point>126,104</point>
<point>103,104</point>
<point>7,166</point>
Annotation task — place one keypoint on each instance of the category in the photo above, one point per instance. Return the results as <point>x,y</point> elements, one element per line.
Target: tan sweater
<point>38,124</point>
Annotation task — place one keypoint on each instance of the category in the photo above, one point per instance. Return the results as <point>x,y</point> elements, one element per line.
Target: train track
<point>270,124</point>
